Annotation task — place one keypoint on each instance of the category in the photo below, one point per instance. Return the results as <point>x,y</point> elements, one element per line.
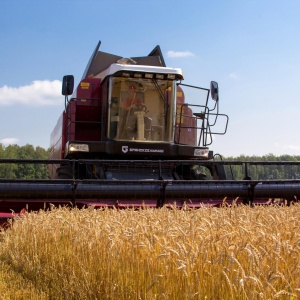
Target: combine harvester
<point>128,137</point>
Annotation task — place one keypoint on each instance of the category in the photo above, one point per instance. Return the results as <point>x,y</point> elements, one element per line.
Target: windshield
<point>141,110</point>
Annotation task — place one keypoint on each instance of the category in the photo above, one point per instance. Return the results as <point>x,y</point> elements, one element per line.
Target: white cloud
<point>234,75</point>
<point>38,93</point>
<point>9,141</point>
<point>179,54</point>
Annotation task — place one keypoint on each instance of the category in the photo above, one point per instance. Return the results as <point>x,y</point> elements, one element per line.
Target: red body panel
<point>57,143</point>
<point>84,122</point>
<point>57,138</point>
<point>80,122</point>
<point>84,113</point>
<point>89,88</point>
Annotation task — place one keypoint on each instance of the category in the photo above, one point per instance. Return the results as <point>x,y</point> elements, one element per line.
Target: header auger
<point>133,135</point>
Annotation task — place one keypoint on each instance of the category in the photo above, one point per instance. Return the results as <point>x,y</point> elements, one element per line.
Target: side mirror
<point>67,85</point>
<point>214,90</point>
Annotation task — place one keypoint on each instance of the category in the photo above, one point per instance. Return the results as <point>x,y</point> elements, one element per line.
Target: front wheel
<point>191,172</point>
<point>64,172</point>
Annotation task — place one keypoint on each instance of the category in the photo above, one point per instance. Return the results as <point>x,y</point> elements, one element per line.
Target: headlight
<point>79,147</point>
<point>201,152</point>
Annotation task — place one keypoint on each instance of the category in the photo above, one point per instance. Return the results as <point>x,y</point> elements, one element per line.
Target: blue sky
<point>250,47</point>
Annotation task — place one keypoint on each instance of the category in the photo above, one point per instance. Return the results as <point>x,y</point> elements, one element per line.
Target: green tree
<point>41,170</point>
<point>10,170</point>
<point>23,170</point>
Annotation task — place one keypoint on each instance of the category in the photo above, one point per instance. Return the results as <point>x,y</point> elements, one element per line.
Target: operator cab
<point>141,109</point>
<point>141,101</point>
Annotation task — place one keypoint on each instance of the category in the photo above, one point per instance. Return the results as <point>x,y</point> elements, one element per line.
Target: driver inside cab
<point>133,108</point>
<point>133,100</point>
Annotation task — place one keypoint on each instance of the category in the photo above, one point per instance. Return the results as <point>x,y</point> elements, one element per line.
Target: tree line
<point>275,170</point>
<point>23,171</point>
<point>40,171</point>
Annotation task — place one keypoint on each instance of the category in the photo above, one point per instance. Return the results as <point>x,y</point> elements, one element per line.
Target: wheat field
<point>209,253</point>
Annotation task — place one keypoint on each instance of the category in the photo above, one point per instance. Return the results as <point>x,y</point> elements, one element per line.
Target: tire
<point>64,172</point>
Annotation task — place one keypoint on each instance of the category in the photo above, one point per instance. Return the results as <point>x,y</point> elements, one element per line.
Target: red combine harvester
<point>129,138</point>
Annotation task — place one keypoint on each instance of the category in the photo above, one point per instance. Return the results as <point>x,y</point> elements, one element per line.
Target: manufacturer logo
<point>124,149</point>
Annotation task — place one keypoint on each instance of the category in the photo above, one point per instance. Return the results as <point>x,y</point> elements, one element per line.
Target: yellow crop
<point>209,253</point>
